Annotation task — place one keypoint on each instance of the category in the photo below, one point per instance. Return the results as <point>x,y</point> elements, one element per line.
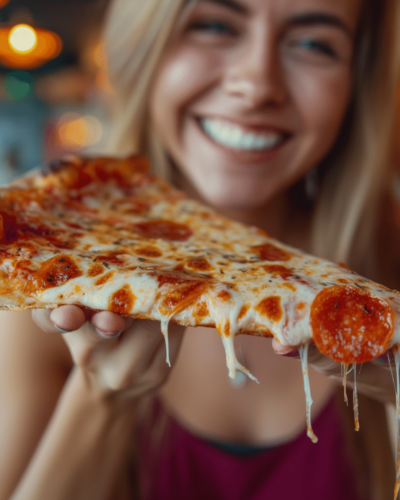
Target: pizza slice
<point>106,234</point>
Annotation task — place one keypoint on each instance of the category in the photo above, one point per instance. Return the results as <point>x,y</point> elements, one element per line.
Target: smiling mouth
<point>231,135</point>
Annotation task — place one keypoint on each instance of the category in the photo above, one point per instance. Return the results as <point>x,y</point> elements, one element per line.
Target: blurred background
<point>54,91</point>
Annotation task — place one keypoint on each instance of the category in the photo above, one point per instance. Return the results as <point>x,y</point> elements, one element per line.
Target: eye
<point>214,27</point>
<point>316,46</point>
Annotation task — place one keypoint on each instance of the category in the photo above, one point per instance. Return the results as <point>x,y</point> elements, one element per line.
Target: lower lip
<point>245,155</point>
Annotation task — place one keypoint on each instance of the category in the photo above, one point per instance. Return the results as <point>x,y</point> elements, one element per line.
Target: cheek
<point>183,77</point>
<point>321,99</point>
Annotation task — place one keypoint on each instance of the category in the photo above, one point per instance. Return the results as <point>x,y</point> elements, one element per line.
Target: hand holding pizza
<point>120,355</point>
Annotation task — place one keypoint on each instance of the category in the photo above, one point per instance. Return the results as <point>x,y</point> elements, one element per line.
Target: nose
<point>256,75</point>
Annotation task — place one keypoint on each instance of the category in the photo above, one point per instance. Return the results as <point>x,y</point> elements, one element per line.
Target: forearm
<point>84,447</point>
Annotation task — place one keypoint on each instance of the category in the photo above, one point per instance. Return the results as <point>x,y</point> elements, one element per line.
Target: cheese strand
<point>164,330</point>
<point>303,351</point>
<point>345,368</point>
<point>232,362</point>
<point>355,400</point>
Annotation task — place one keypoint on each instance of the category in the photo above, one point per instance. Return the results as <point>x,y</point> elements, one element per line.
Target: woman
<point>279,114</point>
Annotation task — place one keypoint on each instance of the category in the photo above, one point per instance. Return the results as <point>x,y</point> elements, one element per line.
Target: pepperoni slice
<point>351,325</point>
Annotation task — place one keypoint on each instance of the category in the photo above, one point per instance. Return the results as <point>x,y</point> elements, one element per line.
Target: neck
<point>278,217</point>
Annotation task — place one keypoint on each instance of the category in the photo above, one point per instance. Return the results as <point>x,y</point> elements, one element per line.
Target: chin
<point>230,196</point>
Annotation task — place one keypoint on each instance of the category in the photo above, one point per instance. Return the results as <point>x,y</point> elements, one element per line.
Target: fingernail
<point>61,330</point>
<point>293,353</point>
<point>107,335</point>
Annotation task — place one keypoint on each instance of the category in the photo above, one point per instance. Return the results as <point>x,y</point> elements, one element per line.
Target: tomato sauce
<point>52,273</point>
<point>271,253</point>
<point>11,231</point>
<point>184,292</point>
<point>8,228</point>
<point>351,325</point>
<point>284,273</point>
<point>164,230</point>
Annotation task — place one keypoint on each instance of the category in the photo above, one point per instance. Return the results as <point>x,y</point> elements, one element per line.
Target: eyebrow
<point>230,4</point>
<point>318,18</point>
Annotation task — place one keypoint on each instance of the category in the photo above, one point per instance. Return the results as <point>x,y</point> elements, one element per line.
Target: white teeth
<point>234,137</point>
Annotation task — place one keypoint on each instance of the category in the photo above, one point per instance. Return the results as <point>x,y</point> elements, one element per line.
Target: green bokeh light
<point>18,85</point>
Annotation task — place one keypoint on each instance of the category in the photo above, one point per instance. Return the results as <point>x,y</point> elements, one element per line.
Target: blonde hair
<point>136,34</point>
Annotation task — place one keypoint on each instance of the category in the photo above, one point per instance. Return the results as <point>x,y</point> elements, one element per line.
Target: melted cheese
<point>355,400</point>
<point>143,249</point>
<point>303,351</point>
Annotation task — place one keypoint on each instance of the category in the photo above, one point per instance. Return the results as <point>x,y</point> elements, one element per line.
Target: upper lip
<point>251,126</point>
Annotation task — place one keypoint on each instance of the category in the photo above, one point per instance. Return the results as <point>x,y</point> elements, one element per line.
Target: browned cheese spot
<point>290,286</point>
<point>271,307</point>
<point>227,329</point>
<point>122,301</point>
<point>243,311</point>
<point>104,279</point>
<point>54,272</point>
<point>199,264</point>
<point>95,270</point>
<point>224,295</point>
<point>200,311</point>
<point>149,251</point>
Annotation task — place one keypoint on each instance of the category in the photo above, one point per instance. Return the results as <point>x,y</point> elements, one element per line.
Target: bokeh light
<point>76,132</point>
<point>3,3</point>
<point>22,39</point>
<point>24,47</point>
<point>18,85</point>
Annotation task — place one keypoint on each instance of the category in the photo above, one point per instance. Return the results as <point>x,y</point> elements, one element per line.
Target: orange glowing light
<point>3,3</point>
<point>25,47</point>
<point>22,39</point>
<point>76,132</point>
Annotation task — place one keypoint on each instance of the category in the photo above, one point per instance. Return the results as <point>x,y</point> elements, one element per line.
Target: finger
<point>64,318</point>
<point>136,352</point>
<point>109,324</point>
<point>317,360</point>
<point>85,343</point>
<point>285,350</point>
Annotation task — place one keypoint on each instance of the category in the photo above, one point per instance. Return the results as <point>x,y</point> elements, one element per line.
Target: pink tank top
<point>179,465</point>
